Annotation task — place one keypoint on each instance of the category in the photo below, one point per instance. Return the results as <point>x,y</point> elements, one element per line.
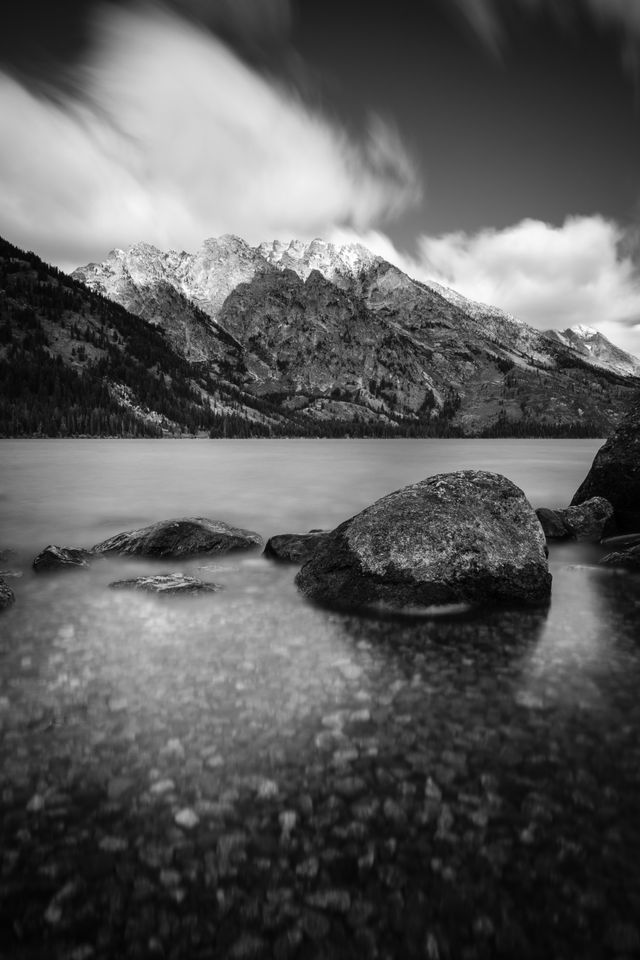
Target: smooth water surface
<point>248,775</point>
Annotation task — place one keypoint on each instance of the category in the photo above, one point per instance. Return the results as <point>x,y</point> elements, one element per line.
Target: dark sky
<point>550,128</point>
<point>418,121</point>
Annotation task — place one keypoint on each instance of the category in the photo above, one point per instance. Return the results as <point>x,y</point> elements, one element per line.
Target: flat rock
<point>629,558</point>
<point>293,547</point>
<point>470,536</point>
<point>615,474</point>
<point>62,558</point>
<point>7,596</point>
<point>180,538</point>
<point>166,583</point>
<point>584,521</point>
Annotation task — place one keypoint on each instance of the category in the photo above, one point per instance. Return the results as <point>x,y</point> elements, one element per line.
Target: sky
<point>491,145</point>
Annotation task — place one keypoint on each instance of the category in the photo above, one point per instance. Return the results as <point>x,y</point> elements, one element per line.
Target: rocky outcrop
<point>629,558</point>
<point>294,547</point>
<point>586,521</point>
<point>615,473</point>
<point>62,558</point>
<point>470,536</point>
<point>185,537</point>
<point>7,596</point>
<point>167,584</point>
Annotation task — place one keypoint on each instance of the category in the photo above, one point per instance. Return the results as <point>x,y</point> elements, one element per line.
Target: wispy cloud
<point>176,139</point>
<point>489,19</point>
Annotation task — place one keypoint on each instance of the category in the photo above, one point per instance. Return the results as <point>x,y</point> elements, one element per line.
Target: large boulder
<point>62,558</point>
<point>470,536</point>
<point>168,584</point>
<point>293,547</point>
<point>7,596</point>
<point>615,473</point>
<point>180,538</point>
<point>585,521</point>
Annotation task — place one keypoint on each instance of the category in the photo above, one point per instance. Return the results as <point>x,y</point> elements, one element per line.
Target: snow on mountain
<point>597,349</point>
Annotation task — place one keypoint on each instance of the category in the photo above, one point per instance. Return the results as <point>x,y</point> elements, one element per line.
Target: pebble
<point>187,818</point>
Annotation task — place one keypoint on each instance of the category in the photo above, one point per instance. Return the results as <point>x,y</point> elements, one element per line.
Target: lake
<point>247,775</point>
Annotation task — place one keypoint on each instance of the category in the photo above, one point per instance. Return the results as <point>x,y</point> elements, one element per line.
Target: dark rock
<point>622,542</point>
<point>585,521</point>
<point>457,537</point>
<point>552,524</point>
<point>166,583</point>
<point>294,547</point>
<point>7,596</point>
<point>180,538</point>
<point>589,519</point>
<point>615,474</point>
<point>630,558</point>
<point>62,558</point>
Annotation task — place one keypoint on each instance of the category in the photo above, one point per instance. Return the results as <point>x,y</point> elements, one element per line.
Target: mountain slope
<point>597,350</point>
<point>334,331</point>
<point>279,340</point>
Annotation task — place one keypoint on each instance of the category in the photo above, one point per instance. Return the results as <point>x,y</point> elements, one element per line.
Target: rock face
<point>586,521</point>
<point>166,584</point>
<point>615,473</point>
<point>470,536</point>
<point>294,547</point>
<point>180,538</point>
<point>62,558</point>
<point>7,596</point>
<point>630,558</point>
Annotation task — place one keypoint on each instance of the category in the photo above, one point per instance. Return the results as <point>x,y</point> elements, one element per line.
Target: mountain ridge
<point>282,340</point>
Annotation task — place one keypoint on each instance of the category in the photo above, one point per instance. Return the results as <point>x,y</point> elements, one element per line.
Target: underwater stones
<point>180,538</point>
<point>293,547</point>
<point>469,536</point>
<point>7,596</point>
<point>166,584</point>
<point>62,558</point>
<point>615,473</point>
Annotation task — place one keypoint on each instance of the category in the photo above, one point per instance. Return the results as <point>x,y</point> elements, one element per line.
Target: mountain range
<point>289,339</point>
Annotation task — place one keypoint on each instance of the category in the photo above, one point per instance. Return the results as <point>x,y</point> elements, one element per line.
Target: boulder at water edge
<point>293,547</point>
<point>629,558</point>
<point>585,521</point>
<point>469,536</point>
<point>180,538</point>
<point>167,584</point>
<point>615,473</point>
<point>7,596</point>
<point>61,558</point>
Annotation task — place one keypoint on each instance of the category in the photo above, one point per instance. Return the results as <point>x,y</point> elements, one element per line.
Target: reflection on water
<point>246,775</point>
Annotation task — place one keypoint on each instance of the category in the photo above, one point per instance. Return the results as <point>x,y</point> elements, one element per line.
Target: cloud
<point>489,19</point>
<point>177,139</point>
<point>549,276</point>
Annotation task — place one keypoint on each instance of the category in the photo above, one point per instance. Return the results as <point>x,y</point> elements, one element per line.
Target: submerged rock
<point>585,521</point>
<point>7,596</point>
<point>180,538</point>
<point>62,558</point>
<point>469,536</point>
<point>294,547</point>
<point>166,583</point>
<point>630,558</point>
<point>615,474</point>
